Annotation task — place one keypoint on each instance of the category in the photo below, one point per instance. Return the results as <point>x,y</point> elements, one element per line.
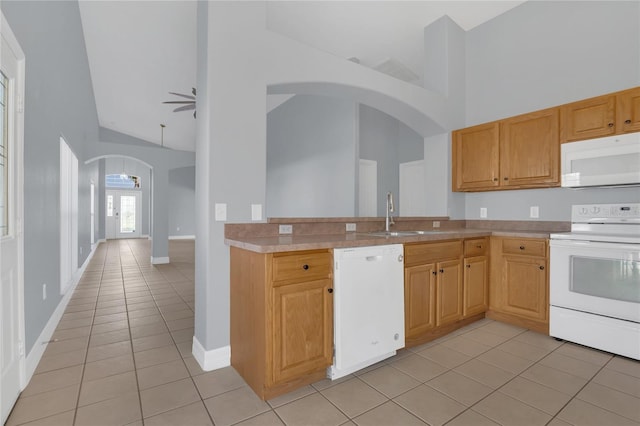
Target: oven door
<point>596,277</point>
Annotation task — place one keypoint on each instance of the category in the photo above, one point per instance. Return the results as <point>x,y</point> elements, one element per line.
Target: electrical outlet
<point>534,212</point>
<point>81,250</point>
<point>285,229</point>
<point>483,212</point>
<point>44,292</point>
<point>351,227</point>
<point>436,224</point>
<point>177,228</point>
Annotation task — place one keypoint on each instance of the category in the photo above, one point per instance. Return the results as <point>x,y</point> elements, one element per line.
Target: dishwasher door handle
<point>373,258</point>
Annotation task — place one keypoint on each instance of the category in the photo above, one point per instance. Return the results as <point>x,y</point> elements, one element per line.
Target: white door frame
<point>15,239</point>
<point>92,213</point>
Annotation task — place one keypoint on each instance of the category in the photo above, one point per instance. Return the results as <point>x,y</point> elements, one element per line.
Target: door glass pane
<point>109,205</point>
<point>608,278</point>
<point>127,213</point>
<point>4,158</point>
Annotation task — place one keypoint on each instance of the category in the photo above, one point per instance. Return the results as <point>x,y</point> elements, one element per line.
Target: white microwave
<point>608,161</point>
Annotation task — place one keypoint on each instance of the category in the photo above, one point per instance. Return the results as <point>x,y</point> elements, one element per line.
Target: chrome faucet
<point>389,217</point>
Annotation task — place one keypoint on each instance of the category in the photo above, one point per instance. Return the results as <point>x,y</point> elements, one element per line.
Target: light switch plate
<point>483,212</point>
<point>436,224</point>
<point>351,227</point>
<point>256,211</point>
<point>221,212</point>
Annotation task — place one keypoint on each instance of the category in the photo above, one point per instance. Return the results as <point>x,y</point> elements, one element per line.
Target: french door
<point>12,351</point>
<point>123,216</point>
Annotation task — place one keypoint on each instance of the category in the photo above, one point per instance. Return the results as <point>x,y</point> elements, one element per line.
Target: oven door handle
<point>593,245</point>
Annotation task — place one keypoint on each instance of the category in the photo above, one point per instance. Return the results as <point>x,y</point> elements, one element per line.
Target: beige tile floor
<point>122,355</point>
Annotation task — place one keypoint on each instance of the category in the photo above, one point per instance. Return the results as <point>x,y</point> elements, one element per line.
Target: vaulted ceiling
<point>139,51</point>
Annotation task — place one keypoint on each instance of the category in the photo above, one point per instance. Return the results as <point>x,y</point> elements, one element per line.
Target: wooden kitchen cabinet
<point>476,276</point>
<point>476,157</point>
<point>518,152</point>
<point>448,292</point>
<point>628,111</point>
<point>607,115</point>
<point>519,291</point>
<point>419,300</point>
<point>281,318</point>
<point>434,290</point>
<point>530,150</point>
<point>590,118</point>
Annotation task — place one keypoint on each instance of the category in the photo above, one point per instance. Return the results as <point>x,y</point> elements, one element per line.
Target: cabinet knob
<point>479,246</point>
<point>495,179</point>
<point>441,271</point>
<point>468,266</point>
<point>305,266</point>
<point>330,290</point>
<point>610,124</point>
<point>627,121</point>
<point>521,247</point>
<point>434,273</point>
<point>506,178</point>
<point>541,268</point>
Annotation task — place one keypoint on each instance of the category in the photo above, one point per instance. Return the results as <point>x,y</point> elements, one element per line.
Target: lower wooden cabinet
<point>520,282</point>
<point>476,285</point>
<point>281,318</point>
<point>437,288</point>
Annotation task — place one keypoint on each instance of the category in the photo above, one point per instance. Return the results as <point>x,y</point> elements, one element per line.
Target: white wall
<point>182,193</point>
<point>555,52</point>
<point>311,152</point>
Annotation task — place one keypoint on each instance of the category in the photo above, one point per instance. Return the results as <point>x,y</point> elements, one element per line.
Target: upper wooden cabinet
<point>519,152</point>
<point>606,115</point>
<point>628,111</point>
<point>590,118</point>
<point>530,150</point>
<point>476,156</point>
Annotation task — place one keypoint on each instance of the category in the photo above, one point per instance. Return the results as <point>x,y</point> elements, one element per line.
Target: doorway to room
<point>123,215</point>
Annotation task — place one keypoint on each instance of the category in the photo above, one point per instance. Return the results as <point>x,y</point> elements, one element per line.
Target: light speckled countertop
<point>281,243</point>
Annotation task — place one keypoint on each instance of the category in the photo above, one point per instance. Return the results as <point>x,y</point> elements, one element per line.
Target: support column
<point>230,157</point>
<point>159,216</point>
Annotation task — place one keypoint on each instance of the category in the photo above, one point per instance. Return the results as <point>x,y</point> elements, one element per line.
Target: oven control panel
<point>605,212</point>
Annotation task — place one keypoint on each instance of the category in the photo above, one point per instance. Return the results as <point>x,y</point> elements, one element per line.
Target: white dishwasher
<point>368,306</point>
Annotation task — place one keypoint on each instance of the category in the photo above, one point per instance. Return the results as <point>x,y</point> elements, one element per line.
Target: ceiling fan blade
<point>185,108</point>
<point>193,90</point>
<point>180,102</point>
<point>181,95</point>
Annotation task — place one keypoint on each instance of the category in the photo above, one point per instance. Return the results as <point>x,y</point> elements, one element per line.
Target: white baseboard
<point>159,260</point>
<point>182,237</point>
<point>145,236</point>
<point>35,355</point>
<point>213,359</point>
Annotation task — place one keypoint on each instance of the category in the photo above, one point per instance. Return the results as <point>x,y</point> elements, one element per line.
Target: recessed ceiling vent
<point>397,69</point>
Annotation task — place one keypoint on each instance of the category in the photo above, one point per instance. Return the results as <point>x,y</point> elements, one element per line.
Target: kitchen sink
<point>401,233</point>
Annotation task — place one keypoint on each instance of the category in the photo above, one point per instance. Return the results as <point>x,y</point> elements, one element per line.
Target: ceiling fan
<point>188,105</point>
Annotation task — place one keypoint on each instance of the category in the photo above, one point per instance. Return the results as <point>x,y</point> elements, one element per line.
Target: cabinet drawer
<point>476,247</point>
<point>303,266</point>
<point>525,246</point>
<point>416,254</point>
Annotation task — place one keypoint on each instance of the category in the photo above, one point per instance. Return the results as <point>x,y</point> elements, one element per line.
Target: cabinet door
<point>628,111</point>
<point>525,287</point>
<point>476,155</point>
<point>302,329</point>
<point>449,292</point>
<point>590,118</point>
<point>475,285</point>
<point>419,299</point>
<point>530,149</point>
